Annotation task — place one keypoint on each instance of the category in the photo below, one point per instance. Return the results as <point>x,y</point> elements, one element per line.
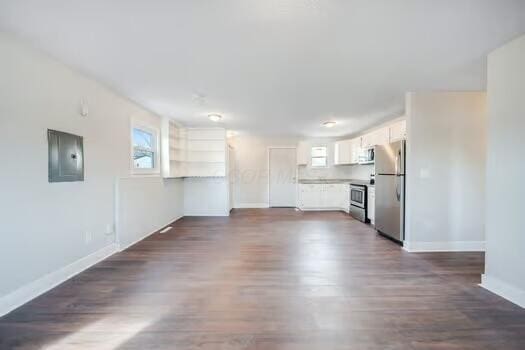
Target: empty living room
<point>262,175</point>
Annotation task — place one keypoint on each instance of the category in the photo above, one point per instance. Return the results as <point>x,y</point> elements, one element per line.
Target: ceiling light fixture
<point>231,133</point>
<point>215,117</point>
<point>329,124</point>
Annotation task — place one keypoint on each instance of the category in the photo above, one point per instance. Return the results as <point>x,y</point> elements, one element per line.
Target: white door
<point>283,166</point>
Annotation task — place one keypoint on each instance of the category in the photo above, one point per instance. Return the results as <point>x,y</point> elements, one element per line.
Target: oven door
<point>357,197</point>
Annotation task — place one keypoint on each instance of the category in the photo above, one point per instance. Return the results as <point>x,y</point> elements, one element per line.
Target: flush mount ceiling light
<point>329,124</point>
<point>231,133</point>
<point>215,117</point>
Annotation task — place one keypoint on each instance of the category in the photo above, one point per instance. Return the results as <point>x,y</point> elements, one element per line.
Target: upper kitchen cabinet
<point>382,136</point>
<point>355,150</point>
<point>398,131</point>
<point>377,137</point>
<point>343,152</point>
<point>302,153</point>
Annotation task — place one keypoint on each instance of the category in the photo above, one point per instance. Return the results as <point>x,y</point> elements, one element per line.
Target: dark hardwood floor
<point>270,279</point>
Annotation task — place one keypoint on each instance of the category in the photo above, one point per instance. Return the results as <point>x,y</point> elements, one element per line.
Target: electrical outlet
<point>88,237</point>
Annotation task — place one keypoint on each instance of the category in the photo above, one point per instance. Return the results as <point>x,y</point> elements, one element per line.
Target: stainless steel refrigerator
<point>390,190</point>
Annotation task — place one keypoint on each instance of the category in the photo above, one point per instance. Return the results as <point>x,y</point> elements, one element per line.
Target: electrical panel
<point>66,157</point>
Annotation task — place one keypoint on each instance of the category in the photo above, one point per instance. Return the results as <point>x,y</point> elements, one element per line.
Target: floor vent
<point>166,229</point>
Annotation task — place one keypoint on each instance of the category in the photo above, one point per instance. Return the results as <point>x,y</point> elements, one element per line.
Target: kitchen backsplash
<point>357,172</point>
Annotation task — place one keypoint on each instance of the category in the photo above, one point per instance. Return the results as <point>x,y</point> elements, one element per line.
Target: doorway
<point>282,176</point>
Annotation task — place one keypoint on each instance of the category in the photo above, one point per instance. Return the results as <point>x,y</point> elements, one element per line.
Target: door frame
<point>231,181</point>
<point>269,148</point>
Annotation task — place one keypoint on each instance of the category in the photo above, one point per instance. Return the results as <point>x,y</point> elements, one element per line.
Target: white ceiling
<point>277,67</point>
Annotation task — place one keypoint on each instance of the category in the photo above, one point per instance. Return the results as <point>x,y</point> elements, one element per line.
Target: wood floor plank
<point>270,279</point>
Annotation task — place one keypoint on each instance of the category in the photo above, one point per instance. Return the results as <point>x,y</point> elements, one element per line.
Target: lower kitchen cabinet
<point>323,196</point>
<point>371,204</point>
<point>309,196</point>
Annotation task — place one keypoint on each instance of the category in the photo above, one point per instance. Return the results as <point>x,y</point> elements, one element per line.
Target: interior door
<point>282,177</point>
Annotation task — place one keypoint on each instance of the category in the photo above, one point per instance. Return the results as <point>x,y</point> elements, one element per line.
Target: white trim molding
<point>207,213</point>
<point>32,290</point>
<point>451,246</point>
<point>250,205</point>
<point>503,289</point>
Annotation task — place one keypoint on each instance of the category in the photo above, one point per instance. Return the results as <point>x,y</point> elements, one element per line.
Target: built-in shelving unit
<point>193,152</point>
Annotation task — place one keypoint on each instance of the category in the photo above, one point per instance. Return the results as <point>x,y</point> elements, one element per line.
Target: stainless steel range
<point>358,202</point>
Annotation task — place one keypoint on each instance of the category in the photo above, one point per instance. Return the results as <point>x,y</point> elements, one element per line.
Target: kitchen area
<point>363,176</point>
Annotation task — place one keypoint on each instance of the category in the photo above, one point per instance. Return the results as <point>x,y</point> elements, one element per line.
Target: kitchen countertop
<point>335,181</point>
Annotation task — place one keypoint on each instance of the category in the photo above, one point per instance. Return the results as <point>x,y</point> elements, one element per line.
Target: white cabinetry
<point>309,196</point>
<point>398,131</point>
<point>367,140</point>
<point>173,149</point>
<point>193,152</point>
<point>355,150</point>
<point>347,151</point>
<point>381,136</point>
<point>323,196</point>
<point>377,137</point>
<point>343,152</point>
<point>371,204</point>
<point>346,198</point>
<point>206,152</point>
<point>303,153</point>
<point>333,196</point>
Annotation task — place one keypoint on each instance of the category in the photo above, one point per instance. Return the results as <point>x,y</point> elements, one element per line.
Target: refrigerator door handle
<point>396,168</point>
<point>398,194</point>
<point>398,162</point>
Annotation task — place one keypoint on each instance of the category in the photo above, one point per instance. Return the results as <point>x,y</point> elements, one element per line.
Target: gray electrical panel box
<point>66,157</point>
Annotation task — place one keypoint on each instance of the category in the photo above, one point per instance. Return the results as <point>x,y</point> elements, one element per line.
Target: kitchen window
<point>144,154</point>
<point>319,157</point>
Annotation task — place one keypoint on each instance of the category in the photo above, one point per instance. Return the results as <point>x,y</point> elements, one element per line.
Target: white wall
<point>251,168</point>
<point>146,204</point>
<point>44,225</point>
<point>505,257</point>
<point>445,178</point>
<point>206,196</point>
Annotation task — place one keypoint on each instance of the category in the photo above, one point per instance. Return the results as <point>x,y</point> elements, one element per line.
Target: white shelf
<point>195,152</point>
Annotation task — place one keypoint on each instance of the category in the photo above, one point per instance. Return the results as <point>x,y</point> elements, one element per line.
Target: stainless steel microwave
<point>367,156</point>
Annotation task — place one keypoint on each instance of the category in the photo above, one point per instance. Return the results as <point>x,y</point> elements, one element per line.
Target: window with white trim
<point>319,157</point>
<point>144,150</point>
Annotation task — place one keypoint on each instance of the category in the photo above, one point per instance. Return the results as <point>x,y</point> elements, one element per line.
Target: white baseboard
<point>30,291</point>
<point>453,246</point>
<point>504,290</point>
<point>122,247</point>
<point>324,209</point>
<point>206,213</point>
<point>250,205</point>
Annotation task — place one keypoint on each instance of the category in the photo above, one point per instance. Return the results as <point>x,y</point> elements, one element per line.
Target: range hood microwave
<point>367,156</point>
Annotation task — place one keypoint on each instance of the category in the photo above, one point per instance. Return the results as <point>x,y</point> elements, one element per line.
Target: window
<point>319,157</point>
<point>144,150</point>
